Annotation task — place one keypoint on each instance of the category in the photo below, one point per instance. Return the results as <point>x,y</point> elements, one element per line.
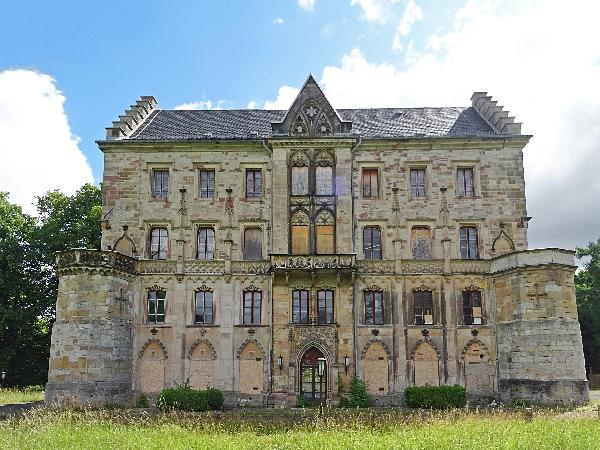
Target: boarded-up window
<point>426,366</point>
<point>253,244</point>
<point>300,241</point>
<point>325,239</point>
<point>299,180</point>
<point>251,369</point>
<point>202,372</point>
<point>479,373</point>
<point>323,175</point>
<point>375,364</point>
<point>421,242</point>
<point>152,369</point>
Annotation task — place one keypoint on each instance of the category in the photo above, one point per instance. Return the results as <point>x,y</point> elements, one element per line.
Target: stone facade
<point>354,259</point>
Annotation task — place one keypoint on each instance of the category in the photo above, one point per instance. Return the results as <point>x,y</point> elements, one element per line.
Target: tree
<point>587,285</point>
<point>28,281</point>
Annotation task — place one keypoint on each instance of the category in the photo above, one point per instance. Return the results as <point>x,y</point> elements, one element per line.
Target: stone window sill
<point>203,325</point>
<point>244,325</point>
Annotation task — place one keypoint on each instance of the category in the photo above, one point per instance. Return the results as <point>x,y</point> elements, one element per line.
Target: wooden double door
<point>312,386</point>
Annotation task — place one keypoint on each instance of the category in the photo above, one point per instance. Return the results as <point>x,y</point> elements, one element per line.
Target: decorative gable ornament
<point>311,115</point>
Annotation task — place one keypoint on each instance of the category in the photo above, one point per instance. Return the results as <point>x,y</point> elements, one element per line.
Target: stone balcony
<point>313,262</point>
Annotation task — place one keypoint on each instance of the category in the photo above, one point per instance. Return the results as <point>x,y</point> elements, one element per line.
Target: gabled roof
<point>311,115</point>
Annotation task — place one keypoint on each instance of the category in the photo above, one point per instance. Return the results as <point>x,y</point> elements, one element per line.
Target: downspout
<point>354,305</point>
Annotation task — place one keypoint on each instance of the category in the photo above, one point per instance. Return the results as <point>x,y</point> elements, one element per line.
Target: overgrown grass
<point>455,429</point>
<point>21,395</point>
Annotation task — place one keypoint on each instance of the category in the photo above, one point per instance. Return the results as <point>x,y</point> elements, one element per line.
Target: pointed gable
<point>311,115</point>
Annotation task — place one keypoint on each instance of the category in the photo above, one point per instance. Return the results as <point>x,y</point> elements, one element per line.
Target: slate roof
<point>190,125</point>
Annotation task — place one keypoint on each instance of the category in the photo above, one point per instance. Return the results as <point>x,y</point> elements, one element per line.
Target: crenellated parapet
<point>495,114</point>
<point>132,119</point>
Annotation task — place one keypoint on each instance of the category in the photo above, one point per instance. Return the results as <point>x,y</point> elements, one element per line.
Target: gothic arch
<point>428,342</point>
<point>474,342</point>
<point>300,217</point>
<point>503,237</point>
<point>304,346</point>
<point>324,217</point>
<point>426,367</point>
<point>150,341</point>
<point>299,158</point>
<point>250,341</point>
<point>376,341</point>
<point>477,368</point>
<point>125,245</point>
<point>324,158</point>
<point>203,341</point>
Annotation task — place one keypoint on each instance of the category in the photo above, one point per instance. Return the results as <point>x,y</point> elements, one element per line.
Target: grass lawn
<point>26,395</point>
<point>124,429</point>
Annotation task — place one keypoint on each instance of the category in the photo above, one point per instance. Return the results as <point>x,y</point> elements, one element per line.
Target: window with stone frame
<point>373,307</point>
<point>253,183</point>
<point>203,311</point>
<point>472,311</point>
<point>156,306</point>
<point>252,305</point>
<point>417,183</point>
<point>300,180</point>
<point>207,183</point>
<point>206,243</point>
<point>372,242</point>
<point>325,306</point>
<point>159,243</point>
<point>464,182</point>
<point>423,307</point>
<point>324,180</point>
<point>300,303</point>
<point>468,242</point>
<point>252,244</point>
<point>160,183</point>
<point>421,242</point>
<point>370,183</point>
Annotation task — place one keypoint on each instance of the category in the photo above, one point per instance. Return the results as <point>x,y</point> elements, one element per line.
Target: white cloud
<point>375,10</point>
<point>39,151</point>
<point>412,14</point>
<point>538,59</point>
<point>278,21</point>
<point>285,97</point>
<point>204,104</point>
<point>252,105</point>
<point>307,5</point>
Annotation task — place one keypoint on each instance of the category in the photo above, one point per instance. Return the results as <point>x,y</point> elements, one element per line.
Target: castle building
<point>277,254</point>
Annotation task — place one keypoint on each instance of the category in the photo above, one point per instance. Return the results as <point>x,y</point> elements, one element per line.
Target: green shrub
<point>520,403</point>
<point>359,397</point>
<point>187,399</point>
<point>436,397</point>
<point>215,398</point>
<point>142,401</point>
<point>301,401</point>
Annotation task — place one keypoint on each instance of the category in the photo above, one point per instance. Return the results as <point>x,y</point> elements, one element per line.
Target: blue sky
<point>67,69</point>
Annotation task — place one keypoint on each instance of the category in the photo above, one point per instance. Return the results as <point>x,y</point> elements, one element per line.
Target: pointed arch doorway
<point>312,386</point>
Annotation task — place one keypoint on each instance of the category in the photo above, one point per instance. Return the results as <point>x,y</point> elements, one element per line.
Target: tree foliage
<point>587,284</point>
<point>28,282</point>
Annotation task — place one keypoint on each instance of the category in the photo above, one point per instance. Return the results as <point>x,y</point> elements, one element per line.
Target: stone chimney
<point>132,119</point>
<point>494,114</point>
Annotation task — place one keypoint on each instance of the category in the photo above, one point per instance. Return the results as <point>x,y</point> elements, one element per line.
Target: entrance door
<point>312,386</point>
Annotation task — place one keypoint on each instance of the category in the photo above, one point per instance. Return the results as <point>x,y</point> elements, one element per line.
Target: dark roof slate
<point>190,125</point>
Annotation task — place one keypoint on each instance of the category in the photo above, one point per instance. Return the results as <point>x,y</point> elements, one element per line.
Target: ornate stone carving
<point>150,341</point>
<point>156,287</point>
<point>207,266</point>
<point>248,341</point>
<point>125,244</point>
<point>322,335</point>
<point>423,288</point>
<point>299,158</point>
<point>250,267</point>
<point>156,266</point>
<point>252,288</point>
<point>203,288</point>
<point>423,266</point>
<point>378,341</point>
<point>470,266</point>
<point>374,266</point>
<point>503,243</point>
<point>471,342</point>
<point>312,262</point>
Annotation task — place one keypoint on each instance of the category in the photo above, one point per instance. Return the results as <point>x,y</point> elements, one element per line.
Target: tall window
<point>252,301</point>
<point>325,306</point>
<point>253,183</point>
<point>370,183</point>
<point>300,180</point>
<point>373,307</point>
<point>159,243</point>
<point>204,307</point>
<point>323,177</point>
<point>325,239</point>
<point>253,244</point>
<point>156,306</point>
<point>160,183</point>
<point>472,307</point>
<point>300,306</point>
<point>417,182</point>
<point>372,242</point>
<point>206,243</point>
<point>423,305</point>
<point>465,182</point>
<point>207,183</point>
<point>468,243</point>
<point>299,233</point>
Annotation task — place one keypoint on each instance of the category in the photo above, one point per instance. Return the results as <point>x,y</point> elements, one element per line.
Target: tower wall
<point>91,348</point>
<point>540,354</point>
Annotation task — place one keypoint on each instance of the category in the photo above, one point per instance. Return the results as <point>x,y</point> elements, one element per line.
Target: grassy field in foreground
<point>423,430</point>
<point>25,395</point>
